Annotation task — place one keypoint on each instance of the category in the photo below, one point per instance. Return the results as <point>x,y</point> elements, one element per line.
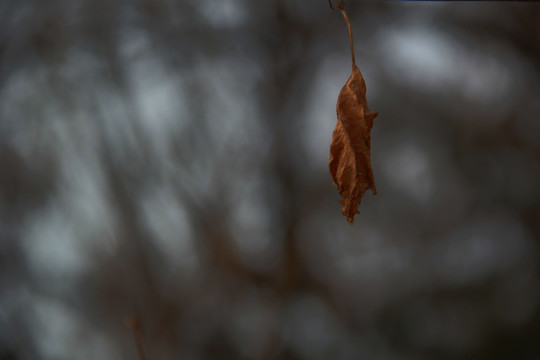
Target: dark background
<point>165,163</point>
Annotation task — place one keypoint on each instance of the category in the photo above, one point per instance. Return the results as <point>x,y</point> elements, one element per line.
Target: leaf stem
<point>351,42</point>
<point>135,325</point>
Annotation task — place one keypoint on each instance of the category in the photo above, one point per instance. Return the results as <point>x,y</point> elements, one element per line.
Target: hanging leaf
<point>350,164</point>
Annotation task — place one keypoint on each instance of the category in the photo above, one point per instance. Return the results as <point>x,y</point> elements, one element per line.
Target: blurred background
<point>164,177</point>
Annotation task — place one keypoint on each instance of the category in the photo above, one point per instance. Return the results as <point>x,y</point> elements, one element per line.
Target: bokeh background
<point>164,177</point>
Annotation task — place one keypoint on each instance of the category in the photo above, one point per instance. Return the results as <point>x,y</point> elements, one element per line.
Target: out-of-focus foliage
<point>167,161</point>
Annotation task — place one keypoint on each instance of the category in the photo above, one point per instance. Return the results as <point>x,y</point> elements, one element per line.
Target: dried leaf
<point>349,163</point>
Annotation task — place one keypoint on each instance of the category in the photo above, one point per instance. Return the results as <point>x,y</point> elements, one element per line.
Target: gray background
<point>166,162</point>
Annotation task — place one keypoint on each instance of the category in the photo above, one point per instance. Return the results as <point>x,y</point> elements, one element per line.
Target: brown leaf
<point>349,163</point>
